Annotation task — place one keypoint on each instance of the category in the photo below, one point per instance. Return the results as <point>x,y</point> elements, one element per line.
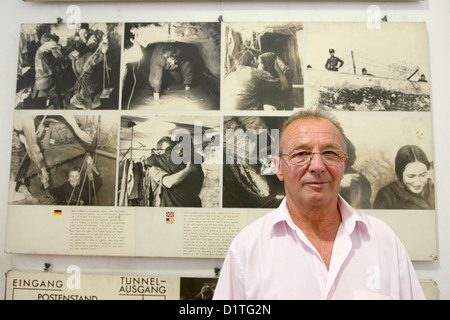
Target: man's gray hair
<point>313,114</point>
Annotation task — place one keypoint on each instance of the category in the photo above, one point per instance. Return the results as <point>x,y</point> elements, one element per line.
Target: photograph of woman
<point>414,188</point>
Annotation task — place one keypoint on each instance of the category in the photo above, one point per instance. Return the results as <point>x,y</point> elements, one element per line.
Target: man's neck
<point>318,221</point>
<point>320,226</point>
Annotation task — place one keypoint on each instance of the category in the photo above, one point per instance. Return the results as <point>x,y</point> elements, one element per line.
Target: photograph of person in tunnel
<point>249,175</point>
<point>250,88</point>
<point>176,58</point>
<point>75,191</point>
<point>69,68</point>
<point>262,66</point>
<point>63,160</point>
<point>171,66</point>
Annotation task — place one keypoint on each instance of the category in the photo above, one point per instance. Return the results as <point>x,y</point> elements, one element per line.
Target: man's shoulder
<point>375,223</point>
<point>379,230</point>
<point>370,224</point>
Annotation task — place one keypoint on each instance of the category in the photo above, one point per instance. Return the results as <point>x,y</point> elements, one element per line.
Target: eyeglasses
<point>304,157</point>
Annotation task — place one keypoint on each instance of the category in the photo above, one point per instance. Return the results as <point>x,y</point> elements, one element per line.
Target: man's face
<point>82,32</point>
<point>168,148</point>
<point>74,177</point>
<point>313,184</point>
<point>170,58</point>
<point>164,147</point>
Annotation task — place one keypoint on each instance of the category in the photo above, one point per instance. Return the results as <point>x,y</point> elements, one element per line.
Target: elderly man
<point>315,245</point>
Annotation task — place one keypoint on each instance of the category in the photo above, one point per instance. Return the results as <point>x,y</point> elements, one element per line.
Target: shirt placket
<point>318,265</point>
<point>341,249</point>
<point>326,277</point>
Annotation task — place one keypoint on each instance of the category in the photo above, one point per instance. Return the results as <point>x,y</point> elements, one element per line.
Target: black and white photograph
<point>249,177</point>
<point>262,66</point>
<point>63,160</point>
<point>197,288</point>
<point>350,67</point>
<point>169,161</point>
<point>171,66</point>
<point>388,169</point>
<point>65,67</point>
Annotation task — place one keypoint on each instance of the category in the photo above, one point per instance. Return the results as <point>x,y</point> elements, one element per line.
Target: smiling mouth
<point>416,188</point>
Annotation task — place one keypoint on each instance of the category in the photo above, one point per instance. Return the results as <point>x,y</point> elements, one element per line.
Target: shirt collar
<point>350,216</point>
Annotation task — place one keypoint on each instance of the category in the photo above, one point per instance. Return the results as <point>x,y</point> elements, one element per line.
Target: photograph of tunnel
<point>171,66</point>
<point>169,161</point>
<point>262,66</point>
<point>60,67</point>
<point>63,160</point>
<point>249,179</point>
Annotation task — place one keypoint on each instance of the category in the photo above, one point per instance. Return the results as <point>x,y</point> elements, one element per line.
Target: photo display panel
<point>158,138</point>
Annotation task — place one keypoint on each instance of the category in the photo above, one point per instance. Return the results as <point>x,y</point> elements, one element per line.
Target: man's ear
<point>277,166</point>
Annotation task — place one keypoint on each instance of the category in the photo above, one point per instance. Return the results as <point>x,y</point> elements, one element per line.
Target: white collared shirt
<point>271,258</point>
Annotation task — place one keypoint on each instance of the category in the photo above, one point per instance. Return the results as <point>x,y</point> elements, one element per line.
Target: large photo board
<point>157,138</point>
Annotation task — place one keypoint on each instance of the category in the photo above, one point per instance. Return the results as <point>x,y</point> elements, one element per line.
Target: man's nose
<point>317,164</point>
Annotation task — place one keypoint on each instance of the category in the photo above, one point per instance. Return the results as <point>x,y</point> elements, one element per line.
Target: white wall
<point>434,12</point>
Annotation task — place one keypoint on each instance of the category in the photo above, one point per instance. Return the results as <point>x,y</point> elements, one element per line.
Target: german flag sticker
<point>57,212</point>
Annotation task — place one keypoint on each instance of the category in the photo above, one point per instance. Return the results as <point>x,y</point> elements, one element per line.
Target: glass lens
<point>304,157</point>
<point>330,157</point>
<point>300,157</point>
